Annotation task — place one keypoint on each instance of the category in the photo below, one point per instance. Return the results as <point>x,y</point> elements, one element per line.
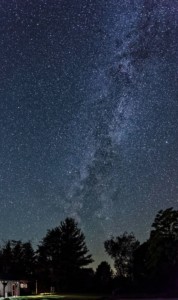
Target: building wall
<point>12,288</point>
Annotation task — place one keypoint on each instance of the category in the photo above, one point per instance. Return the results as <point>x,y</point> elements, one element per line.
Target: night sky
<point>88,116</point>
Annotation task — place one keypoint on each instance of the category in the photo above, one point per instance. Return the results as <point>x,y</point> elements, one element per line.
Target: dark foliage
<point>60,263</point>
<point>17,259</point>
<point>103,277</point>
<point>62,254</point>
<point>139,267</point>
<point>162,253</point>
<point>121,249</point>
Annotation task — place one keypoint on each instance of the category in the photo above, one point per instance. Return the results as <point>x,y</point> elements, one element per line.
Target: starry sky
<point>88,116</point>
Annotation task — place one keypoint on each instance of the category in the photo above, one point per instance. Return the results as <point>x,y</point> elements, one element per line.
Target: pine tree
<point>65,252</point>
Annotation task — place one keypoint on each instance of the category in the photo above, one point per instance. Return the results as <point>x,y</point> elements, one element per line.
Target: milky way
<point>88,116</point>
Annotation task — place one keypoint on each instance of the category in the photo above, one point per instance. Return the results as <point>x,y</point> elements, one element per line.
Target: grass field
<point>60,297</point>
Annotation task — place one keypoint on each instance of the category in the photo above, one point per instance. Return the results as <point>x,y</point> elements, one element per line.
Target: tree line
<point>61,261</point>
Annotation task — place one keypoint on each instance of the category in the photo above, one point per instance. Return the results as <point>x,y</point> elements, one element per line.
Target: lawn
<point>60,297</point>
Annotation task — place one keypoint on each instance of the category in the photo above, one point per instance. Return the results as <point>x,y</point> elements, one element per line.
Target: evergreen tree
<point>17,259</point>
<point>64,251</point>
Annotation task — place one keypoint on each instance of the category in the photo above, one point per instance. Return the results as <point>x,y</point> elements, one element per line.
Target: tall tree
<point>64,251</point>
<point>140,274</point>
<point>6,258</point>
<point>162,254</point>
<point>121,249</point>
<point>17,259</point>
<point>28,259</point>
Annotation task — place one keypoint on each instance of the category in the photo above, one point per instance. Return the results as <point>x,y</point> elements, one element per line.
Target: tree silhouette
<point>103,277</point>
<point>166,224</point>
<point>140,274</point>
<point>64,252</point>
<point>17,259</point>
<point>162,254</point>
<point>121,249</point>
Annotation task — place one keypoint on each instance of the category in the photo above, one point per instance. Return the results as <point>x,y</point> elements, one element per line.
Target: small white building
<point>11,287</point>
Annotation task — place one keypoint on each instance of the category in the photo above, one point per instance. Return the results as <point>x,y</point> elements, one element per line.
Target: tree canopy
<point>62,259</point>
<point>162,252</point>
<point>121,250</point>
<point>17,259</point>
<point>64,251</point>
<point>103,276</point>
